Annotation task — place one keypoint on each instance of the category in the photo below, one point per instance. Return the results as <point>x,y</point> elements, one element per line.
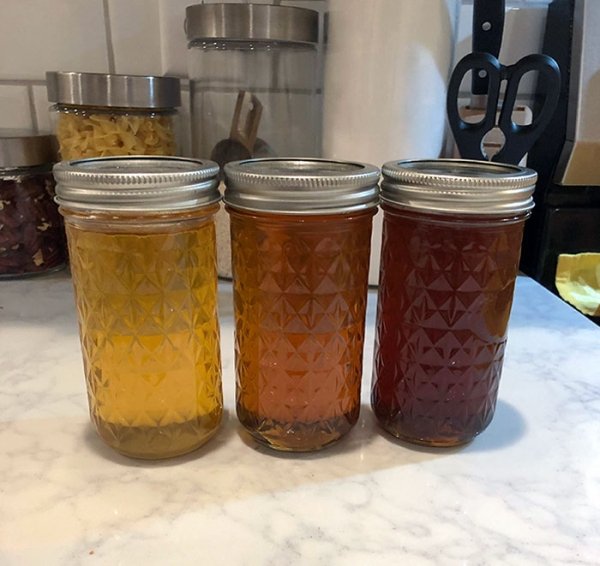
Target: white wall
<point>146,37</point>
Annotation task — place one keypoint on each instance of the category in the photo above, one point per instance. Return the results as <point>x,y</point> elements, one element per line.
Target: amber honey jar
<point>452,233</point>
<point>141,239</point>
<point>300,237</point>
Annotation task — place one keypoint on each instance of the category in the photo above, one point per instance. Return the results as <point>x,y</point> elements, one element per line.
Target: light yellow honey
<point>147,302</point>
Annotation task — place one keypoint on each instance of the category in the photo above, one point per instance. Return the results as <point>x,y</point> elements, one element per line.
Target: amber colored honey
<point>300,290</point>
<point>146,299</point>
<point>445,294</point>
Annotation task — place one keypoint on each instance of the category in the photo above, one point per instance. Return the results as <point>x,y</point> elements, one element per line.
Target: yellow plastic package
<point>578,281</point>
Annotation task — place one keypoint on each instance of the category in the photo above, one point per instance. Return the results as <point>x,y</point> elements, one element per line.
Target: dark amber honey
<point>446,290</point>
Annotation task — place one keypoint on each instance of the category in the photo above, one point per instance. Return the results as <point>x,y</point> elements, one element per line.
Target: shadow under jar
<point>141,239</point>
<point>452,234</point>
<point>300,234</point>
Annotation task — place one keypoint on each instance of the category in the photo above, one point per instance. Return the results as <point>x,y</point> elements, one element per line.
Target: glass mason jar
<point>142,245</point>
<point>254,82</point>
<point>98,115</point>
<point>452,233</point>
<point>32,239</point>
<point>300,237</point>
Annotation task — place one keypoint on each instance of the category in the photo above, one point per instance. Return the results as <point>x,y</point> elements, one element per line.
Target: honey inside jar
<point>443,313</point>
<point>300,292</point>
<point>452,231</point>
<point>300,243</point>
<point>146,298</point>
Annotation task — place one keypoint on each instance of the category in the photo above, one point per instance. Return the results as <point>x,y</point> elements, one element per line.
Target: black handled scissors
<point>518,139</point>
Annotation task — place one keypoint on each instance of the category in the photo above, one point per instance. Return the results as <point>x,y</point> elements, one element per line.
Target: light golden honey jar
<point>141,236</point>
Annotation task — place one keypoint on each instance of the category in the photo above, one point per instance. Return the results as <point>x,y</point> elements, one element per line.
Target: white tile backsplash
<point>174,42</point>
<point>41,104</point>
<point>136,37</point>
<point>15,107</point>
<point>147,37</point>
<point>38,36</point>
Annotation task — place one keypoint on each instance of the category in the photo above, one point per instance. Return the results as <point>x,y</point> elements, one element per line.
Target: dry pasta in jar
<point>98,115</point>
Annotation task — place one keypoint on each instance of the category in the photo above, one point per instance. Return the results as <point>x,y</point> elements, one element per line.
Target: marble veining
<point>527,491</point>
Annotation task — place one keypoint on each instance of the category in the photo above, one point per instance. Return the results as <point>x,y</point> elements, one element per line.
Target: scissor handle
<point>519,139</point>
<point>468,136</point>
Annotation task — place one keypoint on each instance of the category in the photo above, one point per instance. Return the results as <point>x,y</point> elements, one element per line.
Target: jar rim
<point>301,185</point>
<point>138,184</point>
<point>458,186</point>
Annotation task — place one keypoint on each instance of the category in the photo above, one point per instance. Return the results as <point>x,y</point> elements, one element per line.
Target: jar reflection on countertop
<point>452,234</point>
<point>300,236</point>
<point>100,115</point>
<point>142,245</point>
<point>31,229</point>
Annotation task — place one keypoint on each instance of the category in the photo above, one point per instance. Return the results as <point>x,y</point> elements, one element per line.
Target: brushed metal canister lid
<point>139,184</point>
<point>301,186</point>
<point>23,148</point>
<point>122,91</point>
<point>259,22</point>
<point>458,186</point>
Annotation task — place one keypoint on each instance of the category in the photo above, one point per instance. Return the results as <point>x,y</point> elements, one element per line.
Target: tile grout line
<point>161,36</point>
<point>32,110</point>
<point>109,42</point>
<point>22,82</point>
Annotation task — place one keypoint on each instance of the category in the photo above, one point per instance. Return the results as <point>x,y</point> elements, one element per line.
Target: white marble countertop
<point>527,491</point>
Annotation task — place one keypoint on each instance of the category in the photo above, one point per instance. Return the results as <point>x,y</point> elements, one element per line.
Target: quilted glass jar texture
<point>300,290</point>
<point>452,232</point>
<point>444,304</point>
<point>300,242</point>
<point>149,332</point>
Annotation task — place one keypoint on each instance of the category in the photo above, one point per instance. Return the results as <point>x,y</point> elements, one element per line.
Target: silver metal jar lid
<point>140,184</point>
<point>458,186</point>
<point>251,22</point>
<point>301,186</point>
<point>122,91</point>
<point>20,148</point>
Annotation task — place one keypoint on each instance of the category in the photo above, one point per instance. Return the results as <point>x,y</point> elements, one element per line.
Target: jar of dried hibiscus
<point>31,229</point>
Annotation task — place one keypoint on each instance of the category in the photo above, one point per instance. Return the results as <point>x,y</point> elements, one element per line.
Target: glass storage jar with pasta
<point>99,115</point>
